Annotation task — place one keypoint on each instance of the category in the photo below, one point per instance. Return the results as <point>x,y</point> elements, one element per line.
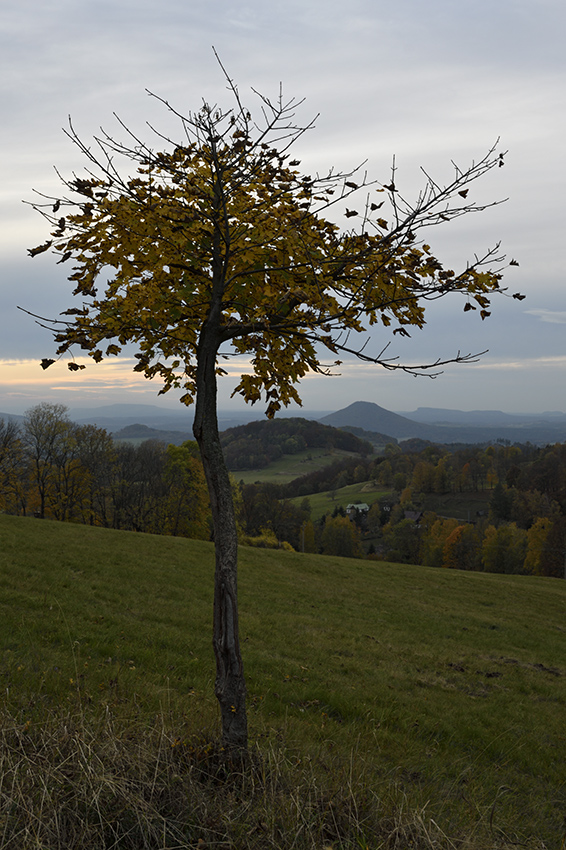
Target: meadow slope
<point>443,689</point>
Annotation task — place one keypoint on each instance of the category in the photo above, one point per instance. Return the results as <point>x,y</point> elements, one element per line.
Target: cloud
<point>18,377</point>
<point>553,317</point>
<point>523,364</point>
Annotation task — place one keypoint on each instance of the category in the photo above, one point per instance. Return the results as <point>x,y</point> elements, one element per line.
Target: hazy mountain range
<point>428,423</point>
<point>114,417</point>
<point>452,426</point>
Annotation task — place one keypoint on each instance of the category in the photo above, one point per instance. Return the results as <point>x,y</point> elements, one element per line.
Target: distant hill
<point>438,425</point>
<point>372,417</point>
<point>377,439</point>
<point>114,417</point>
<point>259,443</point>
<point>11,416</point>
<point>485,418</point>
<point>137,433</point>
<point>462,428</point>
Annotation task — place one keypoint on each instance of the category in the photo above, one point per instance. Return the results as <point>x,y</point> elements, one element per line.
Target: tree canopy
<point>223,229</point>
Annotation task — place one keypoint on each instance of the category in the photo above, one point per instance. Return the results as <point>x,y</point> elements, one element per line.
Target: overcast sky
<point>428,82</point>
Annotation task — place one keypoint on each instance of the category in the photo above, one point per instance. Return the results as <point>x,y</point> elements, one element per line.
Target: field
<point>325,502</point>
<point>292,466</point>
<point>464,506</point>
<point>398,706</point>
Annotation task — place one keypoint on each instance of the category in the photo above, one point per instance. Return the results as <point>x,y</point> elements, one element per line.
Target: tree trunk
<point>230,683</point>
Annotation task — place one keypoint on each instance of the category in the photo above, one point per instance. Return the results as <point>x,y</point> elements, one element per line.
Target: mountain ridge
<point>438,425</point>
<point>371,417</point>
<point>442,415</point>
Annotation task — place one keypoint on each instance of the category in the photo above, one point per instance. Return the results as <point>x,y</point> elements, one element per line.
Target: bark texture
<point>230,683</point>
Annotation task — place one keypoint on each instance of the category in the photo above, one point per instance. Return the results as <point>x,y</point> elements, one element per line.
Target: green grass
<point>326,501</point>
<point>293,466</point>
<point>130,441</point>
<point>442,689</point>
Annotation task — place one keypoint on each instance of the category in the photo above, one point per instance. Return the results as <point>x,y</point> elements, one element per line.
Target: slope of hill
<point>255,445</point>
<point>372,417</point>
<point>11,416</point>
<point>431,687</point>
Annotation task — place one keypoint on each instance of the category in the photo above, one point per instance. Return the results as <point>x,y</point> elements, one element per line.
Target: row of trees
<point>52,467</point>
<point>444,469</point>
<point>481,545</point>
<point>521,470</point>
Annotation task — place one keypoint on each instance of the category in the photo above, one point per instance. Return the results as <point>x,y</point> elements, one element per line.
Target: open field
<point>464,506</point>
<point>325,502</point>
<point>129,441</point>
<point>292,466</point>
<point>405,689</point>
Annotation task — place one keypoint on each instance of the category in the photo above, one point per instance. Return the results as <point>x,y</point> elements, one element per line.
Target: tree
<point>308,537</point>
<point>218,245</point>
<point>12,467</point>
<point>501,503</point>
<point>187,497</point>
<point>97,456</point>
<point>69,485</point>
<point>423,480</point>
<point>45,429</point>
<point>402,540</point>
<point>553,557</point>
<point>536,540</point>
<point>504,549</point>
<point>340,536</point>
<point>9,437</point>
<point>462,549</point>
<point>436,533</point>
<point>138,493</point>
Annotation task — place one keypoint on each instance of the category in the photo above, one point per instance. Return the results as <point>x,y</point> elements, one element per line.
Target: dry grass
<point>68,783</point>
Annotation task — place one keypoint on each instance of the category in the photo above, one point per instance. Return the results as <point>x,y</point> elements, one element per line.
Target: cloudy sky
<point>428,82</point>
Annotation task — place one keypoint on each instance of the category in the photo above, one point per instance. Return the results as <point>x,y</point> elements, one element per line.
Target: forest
<point>53,468</point>
<point>497,508</point>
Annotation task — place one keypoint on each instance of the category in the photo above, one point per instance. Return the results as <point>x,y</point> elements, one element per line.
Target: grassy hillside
<point>289,467</point>
<point>325,502</point>
<point>458,505</point>
<point>258,444</point>
<point>420,687</point>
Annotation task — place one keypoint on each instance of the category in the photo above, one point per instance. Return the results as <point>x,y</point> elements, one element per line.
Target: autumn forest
<point>496,508</point>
